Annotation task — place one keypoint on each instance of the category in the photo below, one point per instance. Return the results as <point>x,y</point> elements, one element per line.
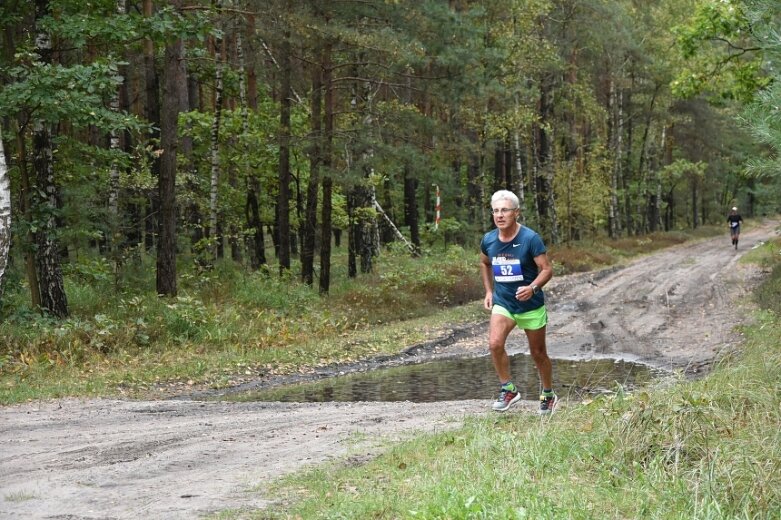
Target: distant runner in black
<point>734,219</point>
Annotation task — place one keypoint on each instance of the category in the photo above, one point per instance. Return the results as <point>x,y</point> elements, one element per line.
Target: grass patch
<point>21,496</point>
<point>593,254</point>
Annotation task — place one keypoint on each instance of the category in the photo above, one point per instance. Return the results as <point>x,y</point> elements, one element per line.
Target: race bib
<point>507,269</point>
<point>733,224</point>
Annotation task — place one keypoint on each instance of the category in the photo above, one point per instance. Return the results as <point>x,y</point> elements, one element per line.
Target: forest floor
<point>184,457</point>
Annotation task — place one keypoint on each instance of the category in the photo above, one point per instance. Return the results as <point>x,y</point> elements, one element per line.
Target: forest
<point>268,132</point>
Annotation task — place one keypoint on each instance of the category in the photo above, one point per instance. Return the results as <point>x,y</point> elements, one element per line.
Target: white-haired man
<point>514,267</point>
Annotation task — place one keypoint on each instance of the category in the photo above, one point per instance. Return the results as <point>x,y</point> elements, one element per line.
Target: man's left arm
<point>544,274</point>
<point>544,270</point>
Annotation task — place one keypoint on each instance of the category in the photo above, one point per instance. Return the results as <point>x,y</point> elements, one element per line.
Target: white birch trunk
<point>534,174</point>
<point>215,149</point>
<point>551,195</point>
<point>519,168</point>
<point>113,194</point>
<point>5,213</point>
<point>113,176</point>
<point>242,86</point>
<point>52,288</point>
<point>619,155</point>
<point>276,65</point>
<point>396,231</point>
<point>613,206</point>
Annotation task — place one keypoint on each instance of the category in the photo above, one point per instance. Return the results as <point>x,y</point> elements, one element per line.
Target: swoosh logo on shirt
<point>516,245</point>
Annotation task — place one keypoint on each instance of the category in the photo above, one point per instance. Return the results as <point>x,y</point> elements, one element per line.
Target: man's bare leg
<point>498,330</point>
<point>539,353</point>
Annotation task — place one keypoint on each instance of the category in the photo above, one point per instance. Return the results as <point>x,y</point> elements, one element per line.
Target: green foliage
<point>102,25</point>
<point>242,154</point>
<point>681,169</point>
<point>723,59</point>
<point>55,93</point>
<point>762,118</point>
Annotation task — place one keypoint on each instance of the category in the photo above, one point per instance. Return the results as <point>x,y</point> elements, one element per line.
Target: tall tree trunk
<point>474,195</point>
<point>315,159</point>
<point>616,130</point>
<point>371,234</point>
<point>175,101</point>
<point>193,222</point>
<point>550,194</point>
<point>410,181</point>
<point>626,171</point>
<point>520,189</point>
<point>257,240</point>
<point>214,237</point>
<point>362,200</point>
<point>25,203</point>
<point>644,196</point>
<point>695,194</point>
<point>47,261</point>
<point>500,182</point>
<point>353,235</point>
<point>411,206</point>
<point>327,151</point>
<point>386,226</point>
<point>546,208</point>
<point>362,229</point>
<point>283,199</point>
<point>5,213</point>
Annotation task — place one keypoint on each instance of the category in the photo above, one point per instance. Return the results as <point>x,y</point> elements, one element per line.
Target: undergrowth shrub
<point>768,295</point>
<point>407,286</point>
<point>186,318</point>
<point>568,259</point>
<point>260,290</point>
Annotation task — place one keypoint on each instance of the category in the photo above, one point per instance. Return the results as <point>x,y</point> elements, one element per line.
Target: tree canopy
<point>197,131</point>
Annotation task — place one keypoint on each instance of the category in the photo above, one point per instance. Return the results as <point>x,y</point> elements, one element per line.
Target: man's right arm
<point>485,276</point>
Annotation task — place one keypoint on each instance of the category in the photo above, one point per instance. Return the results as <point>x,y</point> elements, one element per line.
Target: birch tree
<point>283,197</point>
<point>47,261</point>
<point>219,52</point>
<point>5,213</point>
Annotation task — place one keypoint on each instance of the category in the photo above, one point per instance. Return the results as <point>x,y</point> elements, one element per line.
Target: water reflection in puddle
<point>454,379</point>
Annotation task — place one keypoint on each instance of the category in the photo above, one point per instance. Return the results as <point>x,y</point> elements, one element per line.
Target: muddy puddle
<point>458,379</point>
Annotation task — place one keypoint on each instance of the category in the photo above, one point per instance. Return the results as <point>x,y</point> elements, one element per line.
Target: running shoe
<point>507,397</point>
<point>548,403</point>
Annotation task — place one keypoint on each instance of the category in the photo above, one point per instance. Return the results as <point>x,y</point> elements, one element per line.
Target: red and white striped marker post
<point>437,207</point>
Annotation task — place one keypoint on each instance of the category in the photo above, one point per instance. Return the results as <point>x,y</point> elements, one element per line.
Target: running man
<point>514,267</point>
<point>734,220</point>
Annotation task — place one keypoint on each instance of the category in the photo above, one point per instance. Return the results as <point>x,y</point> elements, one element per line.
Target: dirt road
<point>183,459</point>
